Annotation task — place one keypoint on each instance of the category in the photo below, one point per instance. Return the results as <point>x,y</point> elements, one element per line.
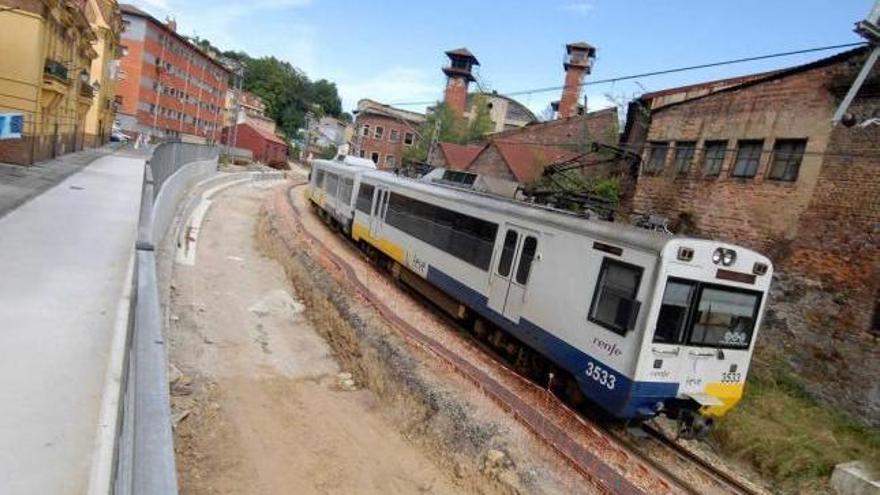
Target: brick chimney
<point>578,63</point>
<point>458,76</point>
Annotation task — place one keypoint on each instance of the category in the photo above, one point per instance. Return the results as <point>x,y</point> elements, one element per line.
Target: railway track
<point>562,440</point>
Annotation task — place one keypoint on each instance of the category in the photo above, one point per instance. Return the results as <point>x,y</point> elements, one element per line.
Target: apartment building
<point>170,89</point>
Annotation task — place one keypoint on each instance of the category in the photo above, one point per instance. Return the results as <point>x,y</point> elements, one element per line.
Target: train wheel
<point>573,392</point>
<point>481,328</point>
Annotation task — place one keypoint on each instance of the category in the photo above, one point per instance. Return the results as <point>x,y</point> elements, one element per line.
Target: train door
<point>377,214</point>
<point>512,271</point>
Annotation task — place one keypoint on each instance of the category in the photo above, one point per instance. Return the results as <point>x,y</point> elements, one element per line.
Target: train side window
<point>614,301</point>
<point>673,318</point>
<point>319,178</point>
<point>345,190</point>
<point>331,181</point>
<point>365,198</point>
<point>530,246</point>
<point>507,253</point>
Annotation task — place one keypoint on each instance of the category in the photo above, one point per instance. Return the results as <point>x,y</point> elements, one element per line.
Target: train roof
<point>600,229</point>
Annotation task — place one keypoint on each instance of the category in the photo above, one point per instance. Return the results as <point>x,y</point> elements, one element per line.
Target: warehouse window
<point>365,130</point>
<point>748,156</point>
<point>408,138</point>
<point>684,153</point>
<point>380,132</point>
<point>365,198</point>
<point>390,161</point>
<point>713,157</point>
<point>468,238</point>
<point>394,136</point>
<point>614,301</point>
<point>657,156</point>
<point>787,156</point>
<point>375,157</point>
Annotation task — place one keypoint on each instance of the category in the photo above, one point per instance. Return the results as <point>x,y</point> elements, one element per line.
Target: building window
<point>389,161</point>
<point>787,156</point>
<point>614,301</point>
<point>365,130</point>
<point>375,157</point>
<point>684,153</point>
<point>657,156</point>
<point>748,156</point>
<point>380,131</point>
<point>408,138</point>
<point>394,136</point>
<point>362,153</point>
<point>713,157</point>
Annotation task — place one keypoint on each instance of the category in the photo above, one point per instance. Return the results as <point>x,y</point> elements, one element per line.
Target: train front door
<point>512,270</point>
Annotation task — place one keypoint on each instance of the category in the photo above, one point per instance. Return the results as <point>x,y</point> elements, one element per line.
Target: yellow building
<point>106,22</point>
<point>45,77</point>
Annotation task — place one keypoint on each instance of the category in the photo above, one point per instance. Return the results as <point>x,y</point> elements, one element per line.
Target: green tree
<point>286,90</point>
<point>452,128</point>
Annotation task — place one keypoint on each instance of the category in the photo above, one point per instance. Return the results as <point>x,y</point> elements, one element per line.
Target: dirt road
<point>261,404</point>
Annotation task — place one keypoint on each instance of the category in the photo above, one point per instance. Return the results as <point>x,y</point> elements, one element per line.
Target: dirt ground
<point>261,406</point>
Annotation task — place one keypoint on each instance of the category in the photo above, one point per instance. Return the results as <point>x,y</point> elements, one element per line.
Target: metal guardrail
<point>144,458</point>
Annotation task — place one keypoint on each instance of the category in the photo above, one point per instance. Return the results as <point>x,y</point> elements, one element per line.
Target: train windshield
<point>707,315</point>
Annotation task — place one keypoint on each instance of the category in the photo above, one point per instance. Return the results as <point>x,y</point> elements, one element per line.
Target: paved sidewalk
<point>20,183</point>
<point>65,257</point>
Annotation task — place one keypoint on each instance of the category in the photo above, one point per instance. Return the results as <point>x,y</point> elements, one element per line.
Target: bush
<point>791,439</point>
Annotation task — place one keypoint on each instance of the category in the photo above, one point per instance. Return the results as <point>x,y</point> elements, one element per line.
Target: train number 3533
<point>601,375</point>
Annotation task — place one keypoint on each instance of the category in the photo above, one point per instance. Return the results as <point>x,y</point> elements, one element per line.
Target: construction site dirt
<point>274,393</point>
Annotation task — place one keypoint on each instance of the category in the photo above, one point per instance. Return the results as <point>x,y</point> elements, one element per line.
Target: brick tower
<point>578,63</point>
<point>458,76</point>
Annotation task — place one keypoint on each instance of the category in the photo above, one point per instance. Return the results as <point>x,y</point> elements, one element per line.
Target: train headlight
<point>726,257</point>
<point>729,257</point>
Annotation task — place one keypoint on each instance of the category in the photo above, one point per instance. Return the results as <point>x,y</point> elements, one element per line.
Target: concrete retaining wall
<point>173,190</point>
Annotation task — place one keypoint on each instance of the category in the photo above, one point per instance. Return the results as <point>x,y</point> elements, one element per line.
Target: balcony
<point>56,70</point>
<point>86,90</point>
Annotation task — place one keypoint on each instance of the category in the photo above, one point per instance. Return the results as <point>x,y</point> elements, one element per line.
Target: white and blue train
<point>638,322</point>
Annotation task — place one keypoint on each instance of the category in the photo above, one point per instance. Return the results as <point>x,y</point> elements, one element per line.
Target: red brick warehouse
<point>383,133</point>
<point>265,145</point>
<point>170,88</point>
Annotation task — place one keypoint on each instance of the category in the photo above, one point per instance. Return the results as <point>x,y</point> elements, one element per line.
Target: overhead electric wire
<point>663,71</point>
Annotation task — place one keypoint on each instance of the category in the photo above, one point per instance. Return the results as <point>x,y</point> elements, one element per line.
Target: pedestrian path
<point>19,183</point>
<point>64,258</point>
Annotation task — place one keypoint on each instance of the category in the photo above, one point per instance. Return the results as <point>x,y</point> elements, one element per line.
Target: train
<point>637,322</point>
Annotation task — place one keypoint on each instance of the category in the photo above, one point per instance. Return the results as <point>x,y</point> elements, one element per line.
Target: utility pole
<point>435,134</point>
<point>309,117</point>
<point>239,74</point>
<point>869,30</point>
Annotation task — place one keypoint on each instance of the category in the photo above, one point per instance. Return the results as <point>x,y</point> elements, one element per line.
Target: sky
<point>392,50</point>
